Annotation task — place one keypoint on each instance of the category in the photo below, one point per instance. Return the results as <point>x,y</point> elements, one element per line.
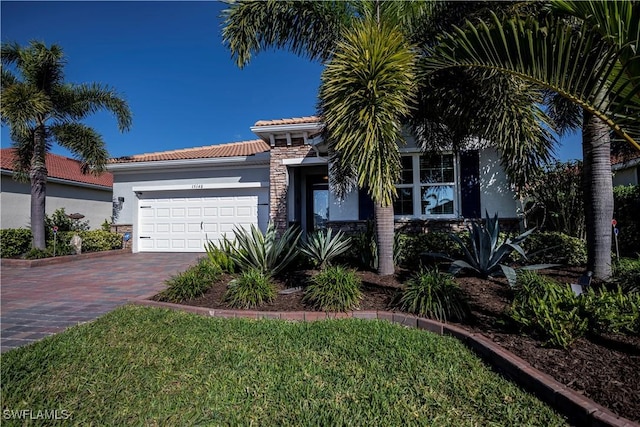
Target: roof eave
<point>254,159</point>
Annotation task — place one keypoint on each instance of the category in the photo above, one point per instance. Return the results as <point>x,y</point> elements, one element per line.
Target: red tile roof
<point>60,167</point>
<point>245,148</point>
<point>291,121</point>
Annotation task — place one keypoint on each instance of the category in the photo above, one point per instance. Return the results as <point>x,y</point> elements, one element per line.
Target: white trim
<point>625,165</point>
<point>257,159</point>
<point>291,128</point>
<point>195,187</point>
<point>305,161</point>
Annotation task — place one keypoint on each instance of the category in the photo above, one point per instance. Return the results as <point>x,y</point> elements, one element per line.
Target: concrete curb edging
<point>29,263</point>
<point>578,409</point>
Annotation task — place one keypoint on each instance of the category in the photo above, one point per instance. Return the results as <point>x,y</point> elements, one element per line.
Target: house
<point>176,200</point>
<point>67,187</point>
<point>626,169</point>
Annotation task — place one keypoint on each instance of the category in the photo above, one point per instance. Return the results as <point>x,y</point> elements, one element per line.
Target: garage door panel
<point>176,224</point>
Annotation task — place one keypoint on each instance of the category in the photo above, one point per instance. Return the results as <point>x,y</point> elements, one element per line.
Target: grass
<point>145,366</point>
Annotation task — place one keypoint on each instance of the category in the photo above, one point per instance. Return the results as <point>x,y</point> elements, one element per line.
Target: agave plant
<point>220,254</point>
<point>268,253</point>
<point>322,246</point>
<point>485,253</point>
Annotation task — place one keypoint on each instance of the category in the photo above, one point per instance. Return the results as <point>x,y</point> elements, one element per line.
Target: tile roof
<point>625,157</point>
<point>245,148</point>
<point>291,121</point>
<point>60,167</point>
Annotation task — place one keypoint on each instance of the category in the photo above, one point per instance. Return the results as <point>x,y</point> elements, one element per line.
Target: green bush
<point>547,309</point>
<point>334,289</point>
<point>626,274</point>
<point>250,289</point>
<point>14,242</point>
<point>411,249</point>
<point>35,253</point>
<point>435,295</point>
<point>322,247</point>
<point>611,311</point>
<point>99,240</point>
<point>191,283</point>
<point>626,200</point>
<point>363,252</point>
<point>555,247</point>
<point>220,255</point>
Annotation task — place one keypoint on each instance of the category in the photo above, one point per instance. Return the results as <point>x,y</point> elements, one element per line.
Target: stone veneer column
<point>279,179</point>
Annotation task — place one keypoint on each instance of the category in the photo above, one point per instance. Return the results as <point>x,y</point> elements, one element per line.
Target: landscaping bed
<point>605,369</point>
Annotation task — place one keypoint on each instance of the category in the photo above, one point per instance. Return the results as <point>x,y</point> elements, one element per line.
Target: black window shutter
<point>470,184</point>
<point>365,205</point>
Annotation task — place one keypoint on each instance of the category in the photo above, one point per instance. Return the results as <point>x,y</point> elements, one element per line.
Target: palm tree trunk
<point>598,194</point>
<point>384,230</point>
<point>38,177</point>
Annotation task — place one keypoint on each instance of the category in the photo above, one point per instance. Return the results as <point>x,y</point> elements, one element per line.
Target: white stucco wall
<point>15,202</point>
<point>496,195</point>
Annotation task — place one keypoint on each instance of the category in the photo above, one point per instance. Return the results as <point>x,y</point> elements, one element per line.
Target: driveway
<point>41,301</point>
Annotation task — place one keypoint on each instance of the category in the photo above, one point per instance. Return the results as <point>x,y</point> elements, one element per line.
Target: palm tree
<point>366,88</point>
<point>40,109</point>
<point>589,60</point>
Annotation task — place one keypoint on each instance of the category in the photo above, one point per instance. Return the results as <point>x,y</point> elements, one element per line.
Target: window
<point>427,186</point>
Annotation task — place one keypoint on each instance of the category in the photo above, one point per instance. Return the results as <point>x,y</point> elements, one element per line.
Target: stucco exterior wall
<point>15,202</point>
<point>496,195</point>
<point>626,176</point>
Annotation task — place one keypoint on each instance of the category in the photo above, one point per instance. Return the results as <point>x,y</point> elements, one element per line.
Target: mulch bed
<point>605,369</point>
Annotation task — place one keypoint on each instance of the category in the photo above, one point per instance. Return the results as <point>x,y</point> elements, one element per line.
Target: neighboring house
<point>626,170</point>
<point>67,187</point>
<point>176,200</point>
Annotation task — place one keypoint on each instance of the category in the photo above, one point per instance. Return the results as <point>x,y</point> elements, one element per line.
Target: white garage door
<point>182,221</point>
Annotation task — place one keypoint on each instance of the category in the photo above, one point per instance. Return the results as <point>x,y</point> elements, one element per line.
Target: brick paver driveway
<point>41,301</point>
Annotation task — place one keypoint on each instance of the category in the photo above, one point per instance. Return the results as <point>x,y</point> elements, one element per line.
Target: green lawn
<point>145,366</point>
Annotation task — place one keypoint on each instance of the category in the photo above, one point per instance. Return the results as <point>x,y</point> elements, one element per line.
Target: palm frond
<point>85,143</point>
<point>22,105</point>
<point>579,65</point>
<point>306,28</point>
<point>76,102</point>
<point>366,91</point>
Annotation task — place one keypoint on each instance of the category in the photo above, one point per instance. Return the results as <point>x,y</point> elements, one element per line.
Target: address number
<point>197,186</point>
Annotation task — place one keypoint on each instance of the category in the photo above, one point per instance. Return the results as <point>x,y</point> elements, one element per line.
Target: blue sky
<point>167,60</point>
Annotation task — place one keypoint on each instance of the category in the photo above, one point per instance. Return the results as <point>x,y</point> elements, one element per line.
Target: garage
<point>183,221</point>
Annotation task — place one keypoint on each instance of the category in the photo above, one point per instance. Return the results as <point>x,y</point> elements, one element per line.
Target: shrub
<point>555,247</point>
<point>484,254</point>
<point>269,253</point>
<point>626,200</point>
<point>35,253</point>
<point>191,283</point>
<point>547,309</point>
<point>250,289</point>
<point>364,249</point>
<point>322,247</point>
<point>220,255</point>
<point>413,249</point>
<point>626,274</point>
<point>14,242</point>
<point>557,199</point>
<point>99,240</point>
<point>435,295</point>
<point>334,289</point>
<point>611,311</point>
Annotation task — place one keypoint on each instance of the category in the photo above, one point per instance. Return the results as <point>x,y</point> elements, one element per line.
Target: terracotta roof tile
<point>245,148</point>
<point>291,121</point>
<point>60,167</point>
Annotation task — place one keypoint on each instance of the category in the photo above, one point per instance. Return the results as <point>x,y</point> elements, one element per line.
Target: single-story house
<point>174,201</point>
<point>67,187</point>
